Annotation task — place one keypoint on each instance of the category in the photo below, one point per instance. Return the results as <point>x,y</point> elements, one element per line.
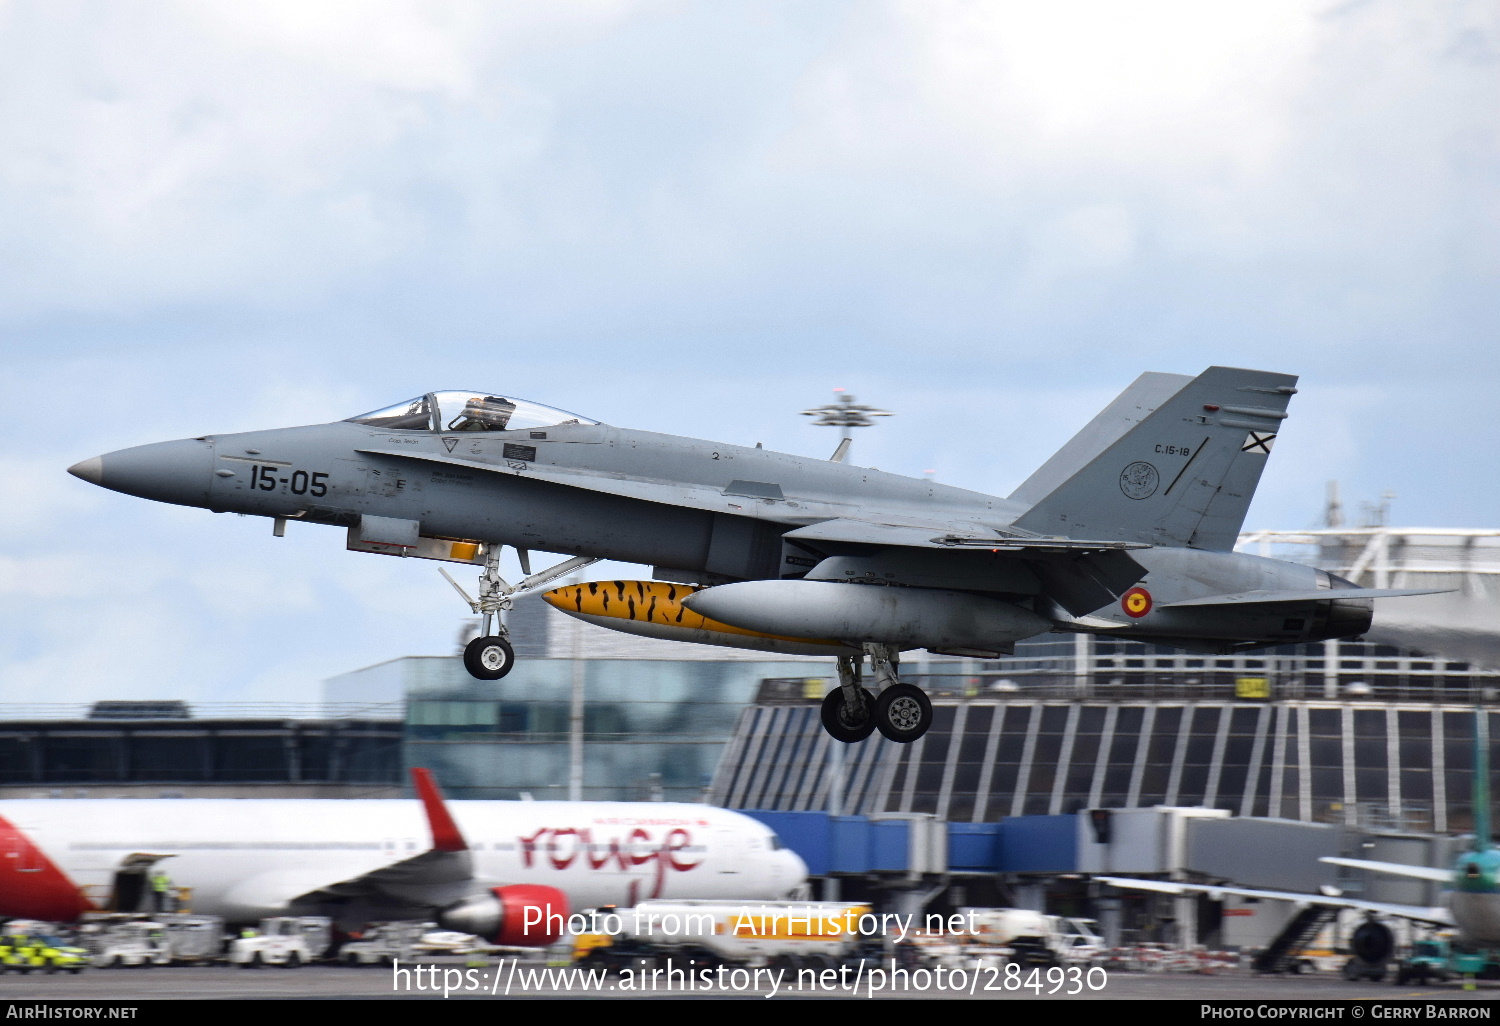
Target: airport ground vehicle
<point>1080,944</point>
<point>25,952</point>
<point>288,941</point>
<point>817,934</point>
<point>137,938</point>
<point>383,943</point>
<point>1438,959</point>
<point>1428,960</point>
<point>997,936</point>
<point>1033,938</point>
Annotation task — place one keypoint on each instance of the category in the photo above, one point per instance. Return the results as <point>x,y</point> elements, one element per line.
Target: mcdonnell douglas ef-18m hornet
<point>1127,531</point>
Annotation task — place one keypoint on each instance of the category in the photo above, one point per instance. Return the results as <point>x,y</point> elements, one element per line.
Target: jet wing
<point>1079,574</point>
<point>870,532</point>
<point>882,528</point>
<point>1253,598</point>
<point>1417,913</point>
<point>674,493</point>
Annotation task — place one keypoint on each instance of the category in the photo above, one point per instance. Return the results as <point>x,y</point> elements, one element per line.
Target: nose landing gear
<point>490,656</point>
<point>902,713</point>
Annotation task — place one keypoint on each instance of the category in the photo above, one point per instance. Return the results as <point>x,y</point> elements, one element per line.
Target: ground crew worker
<point>161,886</point>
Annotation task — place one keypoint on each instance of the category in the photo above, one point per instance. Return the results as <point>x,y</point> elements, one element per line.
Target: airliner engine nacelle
<point>521,916</point>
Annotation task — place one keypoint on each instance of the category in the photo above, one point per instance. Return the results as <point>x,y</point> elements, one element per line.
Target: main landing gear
<point>490,656</point>
<point>901,713</point>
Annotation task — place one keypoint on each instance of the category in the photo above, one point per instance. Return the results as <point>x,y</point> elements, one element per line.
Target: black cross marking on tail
<point>1257,442</point>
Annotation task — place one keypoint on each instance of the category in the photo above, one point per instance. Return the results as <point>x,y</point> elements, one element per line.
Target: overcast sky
<point>701,218</point>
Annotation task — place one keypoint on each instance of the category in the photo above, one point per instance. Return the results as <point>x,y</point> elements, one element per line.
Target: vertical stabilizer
<point>1130,407</point>
<point>1184,475</point>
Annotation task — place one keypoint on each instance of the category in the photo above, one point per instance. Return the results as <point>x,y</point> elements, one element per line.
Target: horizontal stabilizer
<point>1396,869</point>
<point>1256,598</point>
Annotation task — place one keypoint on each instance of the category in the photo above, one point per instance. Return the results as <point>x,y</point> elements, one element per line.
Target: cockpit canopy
<point>467,411</point>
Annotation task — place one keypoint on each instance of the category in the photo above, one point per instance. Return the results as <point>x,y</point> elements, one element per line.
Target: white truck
<point>384,943</point>
<point>282,940</point>
<point>793,934</point>
<point>1032,938</point>
<point>1029,938</point>
<point>137,938</point>
<point>1081,944</point>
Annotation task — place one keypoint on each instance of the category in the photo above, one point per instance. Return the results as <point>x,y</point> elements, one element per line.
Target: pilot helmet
<point>486,413</point>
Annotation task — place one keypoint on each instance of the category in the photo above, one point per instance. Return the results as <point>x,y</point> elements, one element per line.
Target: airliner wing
<point>438,876</point>
<point>1443,876</point>
<point>1418,913</point>
<point>434,878</point>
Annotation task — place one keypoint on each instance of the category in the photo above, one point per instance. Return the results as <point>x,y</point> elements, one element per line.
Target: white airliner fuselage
<point>245,859</point>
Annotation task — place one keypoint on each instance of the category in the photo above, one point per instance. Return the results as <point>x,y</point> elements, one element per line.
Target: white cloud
<point>696,218</point>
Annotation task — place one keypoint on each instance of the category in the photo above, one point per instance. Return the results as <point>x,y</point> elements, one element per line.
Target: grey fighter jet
<point>1127,531</point>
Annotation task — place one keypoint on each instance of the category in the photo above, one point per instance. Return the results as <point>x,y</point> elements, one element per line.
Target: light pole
<point>845,415</point>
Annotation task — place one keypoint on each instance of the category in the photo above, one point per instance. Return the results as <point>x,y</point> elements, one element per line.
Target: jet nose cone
<point>178,472</point>
<point>90,470</point>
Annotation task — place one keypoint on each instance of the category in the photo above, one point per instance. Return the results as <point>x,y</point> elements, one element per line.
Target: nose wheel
<point>902,712</point>
<point>490,656</point>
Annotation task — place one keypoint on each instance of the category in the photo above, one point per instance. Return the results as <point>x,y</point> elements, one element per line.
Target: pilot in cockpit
<point>484,413</point>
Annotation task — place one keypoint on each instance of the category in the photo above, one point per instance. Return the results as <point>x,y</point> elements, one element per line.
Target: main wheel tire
<point>489,658</point>
<point>294,960</point>
<point>903,712</point>
<point>845,728</point>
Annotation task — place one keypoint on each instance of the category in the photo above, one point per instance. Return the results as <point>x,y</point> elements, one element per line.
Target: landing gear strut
<point>849,710</point>
<point>490,656</point>
<point>902,712</point>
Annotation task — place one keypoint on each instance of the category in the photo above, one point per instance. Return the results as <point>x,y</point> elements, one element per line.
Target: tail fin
<point>1481,779</point>
<point>1183,476</point>
<point>1130,407</point>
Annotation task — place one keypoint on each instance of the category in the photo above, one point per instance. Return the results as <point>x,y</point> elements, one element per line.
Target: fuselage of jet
<point>716,513</point>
